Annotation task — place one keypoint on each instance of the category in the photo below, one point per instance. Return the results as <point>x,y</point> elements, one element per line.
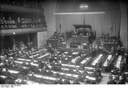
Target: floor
<point>105,78</point>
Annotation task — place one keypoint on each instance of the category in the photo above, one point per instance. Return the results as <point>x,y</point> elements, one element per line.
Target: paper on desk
<point>43,55</point>
<point>91,78</point>
<point>85,60</point>
<point>19,62</point>
<point>74,53</point>
<point>3,76</point>
<point>97,59</point>
<point>13,71</point>
<point>23,59</point>
<point>108,59</point>
<point>119,61</point>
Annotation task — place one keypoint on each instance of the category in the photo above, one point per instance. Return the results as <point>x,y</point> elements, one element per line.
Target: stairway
<point>105,78</point>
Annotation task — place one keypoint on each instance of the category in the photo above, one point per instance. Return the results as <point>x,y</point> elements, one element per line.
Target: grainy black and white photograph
<point>63,42</point>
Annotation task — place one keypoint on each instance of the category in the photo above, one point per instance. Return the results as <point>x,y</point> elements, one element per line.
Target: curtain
<point>96,21</point>
<point>101,23</point>
<point>115,19</point>
<point>123,27</point>
<point>65,22</point>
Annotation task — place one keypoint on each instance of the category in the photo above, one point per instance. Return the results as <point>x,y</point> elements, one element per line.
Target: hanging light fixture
<point>83,6</point>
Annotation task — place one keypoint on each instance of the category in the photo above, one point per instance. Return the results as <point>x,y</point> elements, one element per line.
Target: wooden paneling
<point>21,31</point>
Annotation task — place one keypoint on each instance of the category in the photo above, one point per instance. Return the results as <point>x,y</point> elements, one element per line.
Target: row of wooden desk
<point>72,66</point>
